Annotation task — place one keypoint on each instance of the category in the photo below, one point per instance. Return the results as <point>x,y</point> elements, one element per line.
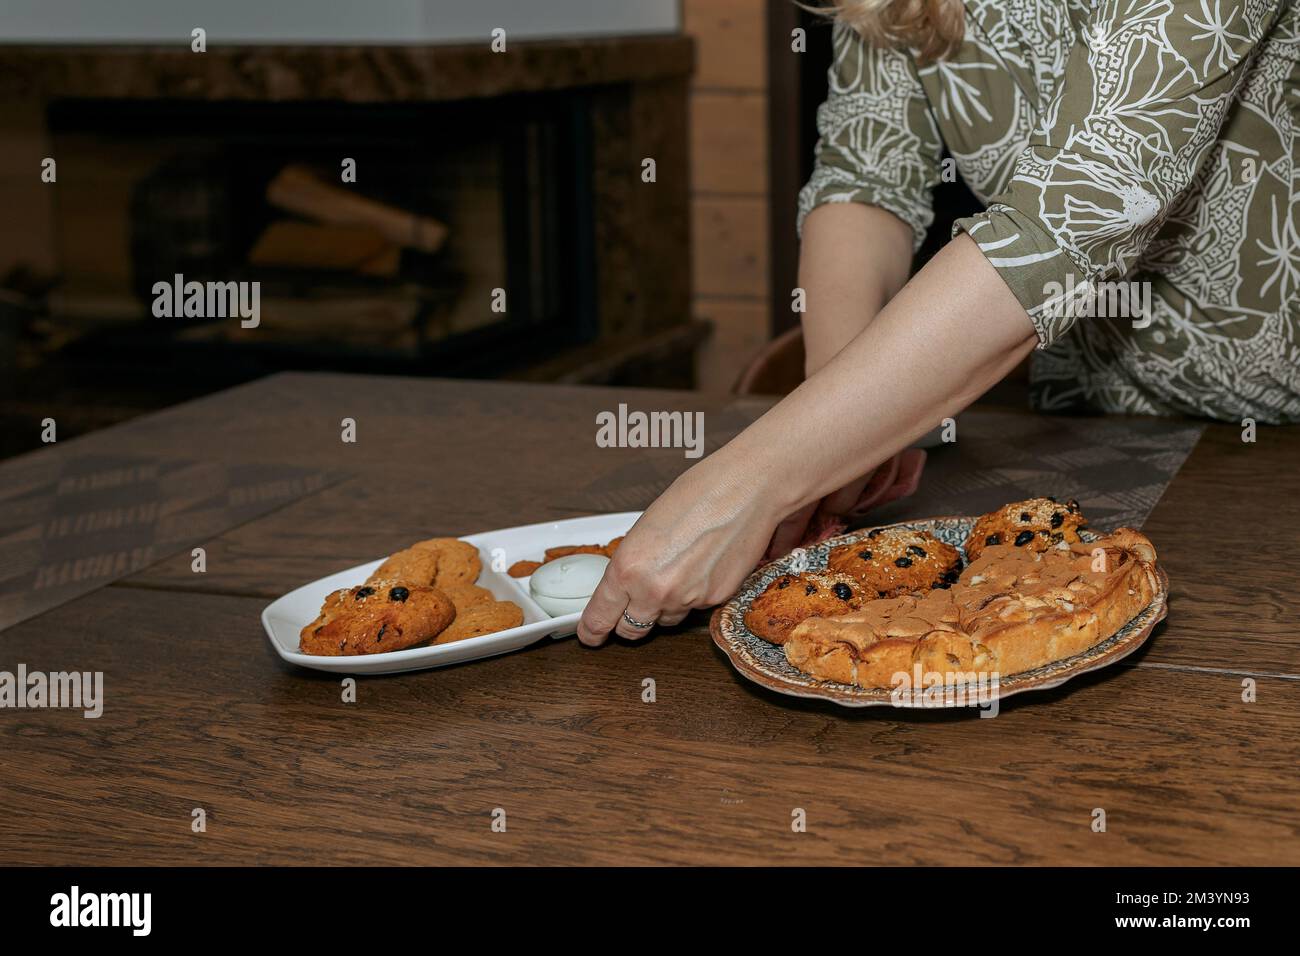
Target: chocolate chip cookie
<point>894,561</point>
<point>371,619</point>
<point>793,598</point>
<point>1036,524</point>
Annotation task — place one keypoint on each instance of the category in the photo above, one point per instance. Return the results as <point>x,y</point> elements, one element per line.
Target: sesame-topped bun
<point>1036,524</point>
<point>894,561</point>
<point>793,598</point>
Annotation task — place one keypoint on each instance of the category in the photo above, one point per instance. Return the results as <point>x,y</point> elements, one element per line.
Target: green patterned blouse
<point>1138,164</point>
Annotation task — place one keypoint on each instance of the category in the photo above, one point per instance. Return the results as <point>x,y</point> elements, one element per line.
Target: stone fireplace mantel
<point>357,74</point>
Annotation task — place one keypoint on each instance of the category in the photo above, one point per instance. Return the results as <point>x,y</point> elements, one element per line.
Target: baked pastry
<point>522,569</point>
<point>894,561</point>
<point>410,566</point>
<point>1036,524</point>
<point>484,617</point>
<point>371,619</point>
<point>463,595</point>
<point>564,550</point>
<point>793,598</point>
<point>458,561</point>
<point>1012,610</point>
<point>423,592</point>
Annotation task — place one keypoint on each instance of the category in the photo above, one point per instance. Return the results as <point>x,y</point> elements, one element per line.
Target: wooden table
<point>200,712</point>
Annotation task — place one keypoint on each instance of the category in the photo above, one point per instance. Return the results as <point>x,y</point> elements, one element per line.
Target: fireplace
<point>187,194</point>
<point>508,232</point>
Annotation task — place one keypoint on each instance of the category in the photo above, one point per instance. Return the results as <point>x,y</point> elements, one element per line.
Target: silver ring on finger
<point>639,625</point>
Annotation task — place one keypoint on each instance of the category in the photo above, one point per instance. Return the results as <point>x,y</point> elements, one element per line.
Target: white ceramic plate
<point>285,618</point>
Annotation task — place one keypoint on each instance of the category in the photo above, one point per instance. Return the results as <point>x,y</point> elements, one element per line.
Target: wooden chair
<point>777,369</point>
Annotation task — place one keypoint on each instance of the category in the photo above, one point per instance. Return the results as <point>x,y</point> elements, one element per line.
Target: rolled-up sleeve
<point>1143,98</point>
<point>878,144</point>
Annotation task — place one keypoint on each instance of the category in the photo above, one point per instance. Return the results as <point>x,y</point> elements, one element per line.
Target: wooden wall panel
<point>730,182</point>
<point>730,247</point>
<point>729,143</point>
<point>731,50</point>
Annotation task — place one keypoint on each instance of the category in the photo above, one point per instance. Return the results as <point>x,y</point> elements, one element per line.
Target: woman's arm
<point>854,258</point>
<point>1085,199</point>
<point>863,213</point>
<point>948,336</point>
<point>951,333</point>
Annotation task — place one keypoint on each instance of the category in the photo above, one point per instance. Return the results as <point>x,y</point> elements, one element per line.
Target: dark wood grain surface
<point>1228,533</point>
<point>199,711</point>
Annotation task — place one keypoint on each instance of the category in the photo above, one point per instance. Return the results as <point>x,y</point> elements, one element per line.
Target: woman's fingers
<point>791,531</point>
<point>876,491</point>
<point>594,632</point>
<point>632,598</point>
<point>611,608</point>
<point>838,503</point>
<point>635,624</point>
<point>603,612</point>
<point>904,482</point>
<point>690,548</point>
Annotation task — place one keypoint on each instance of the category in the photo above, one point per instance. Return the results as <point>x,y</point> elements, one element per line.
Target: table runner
<point>72,523</point>
<point>1116,467</point>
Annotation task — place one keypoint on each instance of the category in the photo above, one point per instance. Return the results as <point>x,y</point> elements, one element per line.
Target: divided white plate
<point>285,618</point>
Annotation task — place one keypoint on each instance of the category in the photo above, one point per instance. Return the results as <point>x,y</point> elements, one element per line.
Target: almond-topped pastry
<point>1012,610</point>
<point>894,561</point>
<point>1036,524</point>
<point>792,598</point>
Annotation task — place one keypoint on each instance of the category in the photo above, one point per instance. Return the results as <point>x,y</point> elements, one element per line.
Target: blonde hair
<point>934,29</point>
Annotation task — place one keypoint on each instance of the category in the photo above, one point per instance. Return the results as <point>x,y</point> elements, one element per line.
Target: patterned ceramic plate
<point>765,663</point>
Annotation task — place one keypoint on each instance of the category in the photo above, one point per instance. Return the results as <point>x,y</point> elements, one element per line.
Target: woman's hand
<point>796,527</point>
<point>892,479</point>
<point>941,343</point>
<point>692,548</point>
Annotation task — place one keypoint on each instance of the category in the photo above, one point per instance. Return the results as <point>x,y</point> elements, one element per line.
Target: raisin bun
<point>1036,524</point>
<point>793,598</point>
<point>377,617</point>
<point>894,561</point>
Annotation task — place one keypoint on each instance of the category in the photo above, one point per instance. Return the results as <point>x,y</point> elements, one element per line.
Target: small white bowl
<point>565,585</point>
